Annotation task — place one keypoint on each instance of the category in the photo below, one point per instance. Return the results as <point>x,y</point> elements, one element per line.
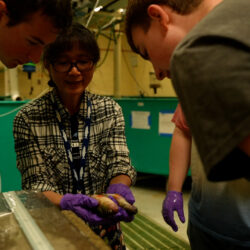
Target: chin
<point>10,65</point>
<point>76,88</point>
<point>76,91</point>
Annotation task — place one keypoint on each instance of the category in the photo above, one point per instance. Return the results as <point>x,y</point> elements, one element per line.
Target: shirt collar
<point>64,112</point>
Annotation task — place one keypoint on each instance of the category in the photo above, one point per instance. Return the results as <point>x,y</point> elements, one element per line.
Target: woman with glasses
<point>70,143</point>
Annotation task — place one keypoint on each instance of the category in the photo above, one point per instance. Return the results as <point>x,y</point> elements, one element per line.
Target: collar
<point>64,112</point>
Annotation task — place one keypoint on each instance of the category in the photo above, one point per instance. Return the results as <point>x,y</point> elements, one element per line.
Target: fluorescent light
<point>98,8</point>
<point>121,10</point>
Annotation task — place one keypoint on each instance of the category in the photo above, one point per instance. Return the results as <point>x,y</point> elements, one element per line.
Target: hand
<point>122,214</point>
<point>69,201</point>
<point>85,207</point>
<point>82,206</point>
<point>122,190</point>
<point>93,219</point>
<point>173,202</point>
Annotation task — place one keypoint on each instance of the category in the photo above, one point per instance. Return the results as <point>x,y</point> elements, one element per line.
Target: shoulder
<point>219,26</point>
<point>103,103</point>
<point>36,108</point>
<point>179,119</point>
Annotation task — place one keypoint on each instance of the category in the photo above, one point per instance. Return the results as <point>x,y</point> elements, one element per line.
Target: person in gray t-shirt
<point>203,46</point>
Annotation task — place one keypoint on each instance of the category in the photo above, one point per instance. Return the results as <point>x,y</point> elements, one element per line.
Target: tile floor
<point>149,192</point>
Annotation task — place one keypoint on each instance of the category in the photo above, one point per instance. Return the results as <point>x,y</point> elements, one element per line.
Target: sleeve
<point>34,171</point>
<point>180,121</point>
<point>211,78</point>
<point>118,158</point>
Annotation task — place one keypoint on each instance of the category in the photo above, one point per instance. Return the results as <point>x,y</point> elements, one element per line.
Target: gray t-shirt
<point>220,208</point>
<point>210,71</point>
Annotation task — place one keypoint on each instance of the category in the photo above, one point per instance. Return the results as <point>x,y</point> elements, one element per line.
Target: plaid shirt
<point>41,155</point>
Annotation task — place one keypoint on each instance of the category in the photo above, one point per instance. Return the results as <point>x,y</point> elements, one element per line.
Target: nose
<point>160,74</point>
<point>74,71</point>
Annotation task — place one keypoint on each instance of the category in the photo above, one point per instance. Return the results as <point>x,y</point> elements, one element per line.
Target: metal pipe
<point>92,13</point>
<point>13,83</point>
<point>6,82</point>
<point>117,63</point>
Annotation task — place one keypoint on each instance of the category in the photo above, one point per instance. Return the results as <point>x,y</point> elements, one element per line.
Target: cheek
<point>174,37</point>
<point>50,38</point>
<point>12,48</point>
<point>158,53</point>
<point>159,58</point>
<point>16,43</point>
<point>22,50</point>
<point>88,77</point>
<point>56,78</point>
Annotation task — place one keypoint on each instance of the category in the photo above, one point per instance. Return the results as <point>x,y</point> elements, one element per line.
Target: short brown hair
<point>58,11</point>
<point>136,13</point>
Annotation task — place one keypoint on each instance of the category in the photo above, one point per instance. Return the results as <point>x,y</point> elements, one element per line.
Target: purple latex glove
<point>173,202</point>
<point>122,214</point>
<point>122,190</point>
<point>85,207</point>
<point>68,201</point>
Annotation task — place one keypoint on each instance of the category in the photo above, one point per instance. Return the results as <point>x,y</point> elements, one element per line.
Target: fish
<point>106,206</point>
<point>131,209</point>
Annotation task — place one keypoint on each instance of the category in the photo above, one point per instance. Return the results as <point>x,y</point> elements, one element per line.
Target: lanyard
<point>79,180</point>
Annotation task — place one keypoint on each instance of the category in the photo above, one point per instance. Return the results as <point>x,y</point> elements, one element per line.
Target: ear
<point>46,64</point>
<point>3,9</point>
<point>158,13</point>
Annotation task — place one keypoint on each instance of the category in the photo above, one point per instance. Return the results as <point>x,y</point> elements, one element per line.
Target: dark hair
<point>137,15</point>
<point>76,34</point>
<point>59,11</point>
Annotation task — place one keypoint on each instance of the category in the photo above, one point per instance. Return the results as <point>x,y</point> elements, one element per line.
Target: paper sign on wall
<point>166,127</point>
<point>140,119</point>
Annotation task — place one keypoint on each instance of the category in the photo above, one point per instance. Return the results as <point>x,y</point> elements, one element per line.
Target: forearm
<point>54,197</point>
<point>179,160</point>
<point>124,179</point>
<point>120,170</point>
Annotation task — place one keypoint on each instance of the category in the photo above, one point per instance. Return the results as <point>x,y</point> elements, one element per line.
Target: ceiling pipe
<point>117,62</point>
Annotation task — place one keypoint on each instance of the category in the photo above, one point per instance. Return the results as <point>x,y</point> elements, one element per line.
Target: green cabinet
<point>11,179</point>
<point>149,149</point>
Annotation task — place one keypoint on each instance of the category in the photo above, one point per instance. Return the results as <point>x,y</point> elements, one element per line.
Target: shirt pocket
<point>98,168</point>
<point>56,162</point>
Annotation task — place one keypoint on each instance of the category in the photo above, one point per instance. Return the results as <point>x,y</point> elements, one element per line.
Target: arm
<point>178,168</point>
<point>30,162</point>
<point>119,165</point>
<point>122,174</point>
<point>54,197</point>
<point>179,159</point>
<point>124,179</point>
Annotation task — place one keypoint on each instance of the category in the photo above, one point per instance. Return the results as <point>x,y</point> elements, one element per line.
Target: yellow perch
<point>106,205</point>
<point>124,204</point>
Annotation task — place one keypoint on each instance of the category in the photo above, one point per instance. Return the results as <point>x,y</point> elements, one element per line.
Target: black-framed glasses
<point>66,66</point>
